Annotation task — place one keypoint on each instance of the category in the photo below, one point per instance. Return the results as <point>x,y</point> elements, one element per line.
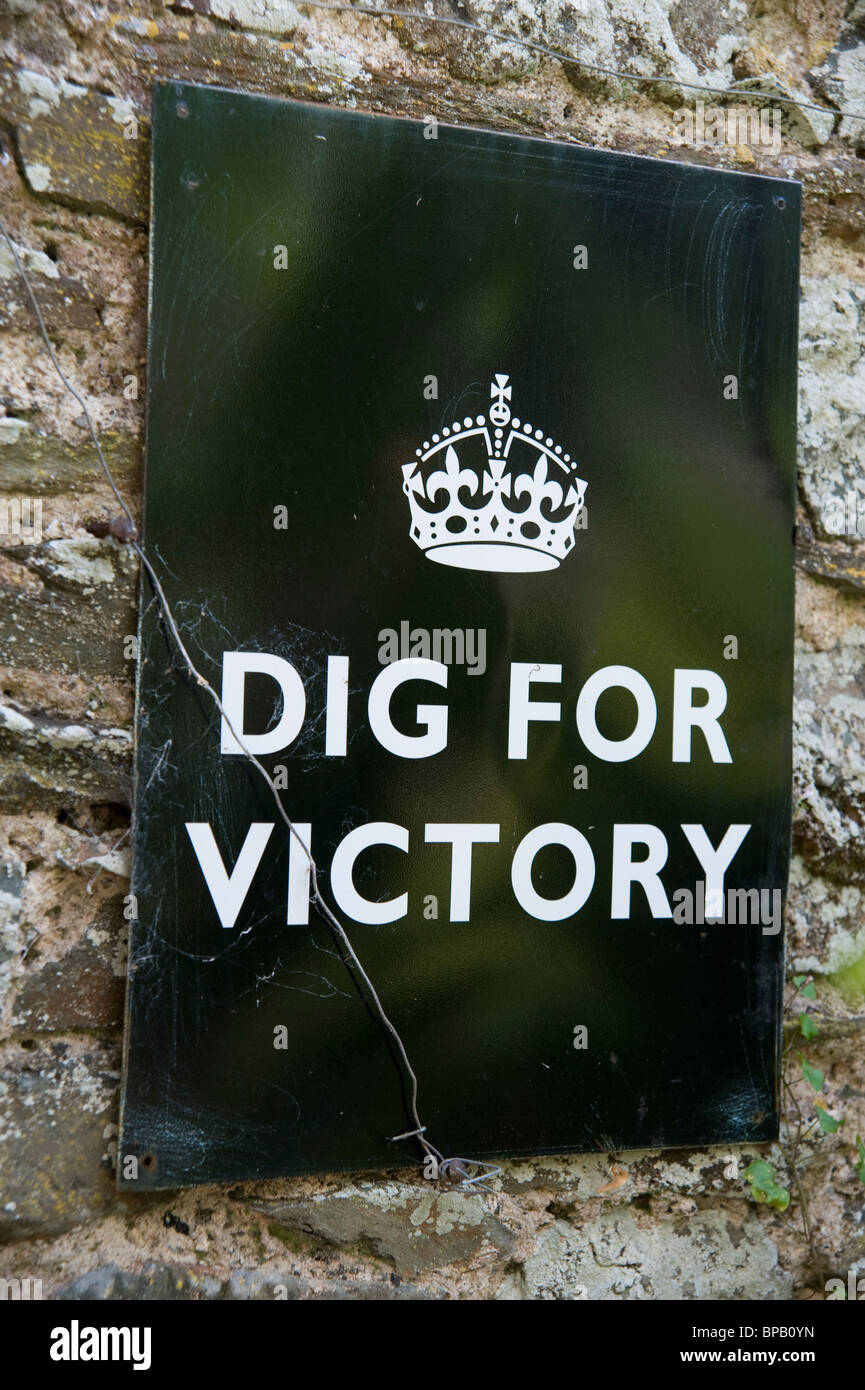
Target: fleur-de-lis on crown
<point>451,477</point>
<point>541,486</point>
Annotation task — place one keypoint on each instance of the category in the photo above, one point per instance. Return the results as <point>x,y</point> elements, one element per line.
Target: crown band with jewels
<point>458,483</point>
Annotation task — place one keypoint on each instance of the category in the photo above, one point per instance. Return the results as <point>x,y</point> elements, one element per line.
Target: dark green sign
<point>470,481</point>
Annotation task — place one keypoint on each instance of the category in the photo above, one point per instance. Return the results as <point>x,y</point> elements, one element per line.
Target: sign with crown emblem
<point>470,483</point>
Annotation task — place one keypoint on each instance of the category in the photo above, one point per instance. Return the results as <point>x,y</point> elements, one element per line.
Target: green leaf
<point>813,1075</point>
<point>808,1026</point>
<point>827,1123</point>
<point>809,992</point>
<point>860,1166</point>
<point>764,1187</point>
<point>759,1172</point>
<point>799,980</point>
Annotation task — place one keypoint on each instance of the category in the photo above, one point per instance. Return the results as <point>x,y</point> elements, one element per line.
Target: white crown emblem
<point>476,464</point>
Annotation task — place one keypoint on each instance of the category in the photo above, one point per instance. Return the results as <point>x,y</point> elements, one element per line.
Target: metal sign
<point>470,483</point>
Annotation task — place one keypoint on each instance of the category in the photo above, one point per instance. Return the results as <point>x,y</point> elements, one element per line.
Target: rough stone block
<point>47,763</point>
<point>840,564</point>
<point>622,1254</point>
<point>55,1102</point>
<point>413,1230</point>
<point>829,736</point>
<point>77,144</point>
<point>63,302</point>
<point>80,991</point>
<point>42,465</point>
<point>831,399</point>
<point>76,620</point>
<point>827,931</point>
<point>802,124</point>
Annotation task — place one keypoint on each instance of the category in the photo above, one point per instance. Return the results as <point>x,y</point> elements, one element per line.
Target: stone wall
<point>75,82</point>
